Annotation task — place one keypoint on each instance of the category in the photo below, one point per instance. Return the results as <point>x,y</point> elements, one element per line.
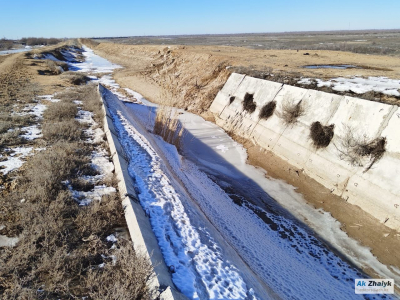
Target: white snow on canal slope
<point>184,252</point>
<point>93,63</point>
<point>217,244</point>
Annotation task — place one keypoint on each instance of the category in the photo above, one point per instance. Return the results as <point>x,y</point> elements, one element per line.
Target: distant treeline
<point>7,44</point>
<point>32,41</point>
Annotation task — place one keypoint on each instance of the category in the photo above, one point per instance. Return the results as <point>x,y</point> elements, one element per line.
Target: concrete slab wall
<point>377,191</point>
<point>143,238</point>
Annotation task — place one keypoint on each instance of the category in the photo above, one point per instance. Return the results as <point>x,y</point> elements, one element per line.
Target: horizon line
<point>239,33</point>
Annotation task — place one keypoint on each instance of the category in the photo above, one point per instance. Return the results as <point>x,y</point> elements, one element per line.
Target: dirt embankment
<point>169,75</point>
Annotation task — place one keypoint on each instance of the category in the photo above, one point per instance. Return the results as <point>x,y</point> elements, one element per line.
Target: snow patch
<point>222,148</point>
<point>111,238</point>
<point>94,63</point>
<point>85,198</point>
<point>34,109</point>
<point>359,85</point>
<point>49,98</point>
<point>99,161</point>
<point>102,164</point>
<point>362,85</point>
<point>6,241</point>
<point>305,81</point>
<point>50,57</point>
<point>32,132</point>
<point>15,159</point>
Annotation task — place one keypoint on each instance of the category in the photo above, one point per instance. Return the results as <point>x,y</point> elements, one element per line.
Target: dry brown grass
<point>89,42</point>
<point>91,102</point>
<point>76,78</point>
<point>167,126</point>
<point>15,83</point>
<point>62,245</point>
<point>5,126</point>
<point>59,253</point>
<point>53,67</point>
<point>8,120</point>
<point>9,126</point>
<point>70,130</point>
<point>60,111</point>
<point>11,138</point>
<point>90,98</point>
<point>46,170</point>
<point>60,250</point>
<point>125,280</point>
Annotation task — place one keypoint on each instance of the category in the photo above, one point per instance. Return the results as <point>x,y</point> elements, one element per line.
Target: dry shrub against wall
<point>291,111</point>
<point>361,151</point>
<point>268,110</point>
<point>321,135</point>
<point>374,150</point>
<point>248,103</point>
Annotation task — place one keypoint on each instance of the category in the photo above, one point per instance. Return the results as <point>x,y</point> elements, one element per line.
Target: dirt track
<point>190,76</point>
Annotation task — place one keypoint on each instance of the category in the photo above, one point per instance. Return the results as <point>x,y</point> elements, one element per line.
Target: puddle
<point>331,67</point>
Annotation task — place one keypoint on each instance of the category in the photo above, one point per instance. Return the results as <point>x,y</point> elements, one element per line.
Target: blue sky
<point>88,18</point>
